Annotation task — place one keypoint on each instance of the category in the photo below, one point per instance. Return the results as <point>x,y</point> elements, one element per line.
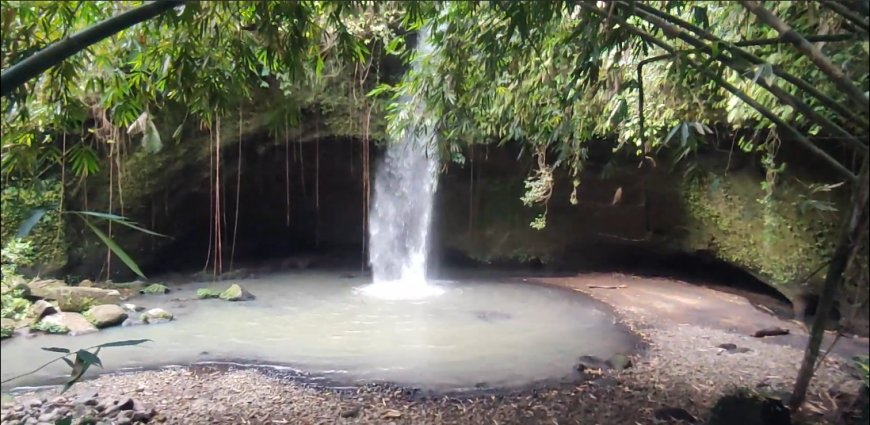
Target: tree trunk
<point>59,51</point>
<point>848,238</point>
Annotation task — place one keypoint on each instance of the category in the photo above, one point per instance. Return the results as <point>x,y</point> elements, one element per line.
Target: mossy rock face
<point>236,293</point>
<point>48,236</point>
<point>76,299</point>
<point>771,238</point>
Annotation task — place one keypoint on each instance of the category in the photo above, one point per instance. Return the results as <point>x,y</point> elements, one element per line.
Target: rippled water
<point>477,332</point>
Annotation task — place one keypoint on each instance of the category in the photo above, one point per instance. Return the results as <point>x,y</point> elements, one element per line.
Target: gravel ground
<point>680,367</point>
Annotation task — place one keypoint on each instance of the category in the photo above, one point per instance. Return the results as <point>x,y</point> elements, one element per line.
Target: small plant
<point>153,289</point>
<point>50,328</point>
<point>203,293</point>
<point>90,317</point>
<point>14,305</point>
<point>84,359</point>
<point>6,332</point>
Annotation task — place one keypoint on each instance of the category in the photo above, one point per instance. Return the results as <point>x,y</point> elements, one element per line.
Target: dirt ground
<point>661,300</point>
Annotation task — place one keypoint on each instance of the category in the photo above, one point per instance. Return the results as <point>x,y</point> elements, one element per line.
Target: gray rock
<point>156,315</point>
<point>132,308</point>
<point>589,362</point>
<point>45,288</point>
<point>75,322</point>
<point>131,322</point>
<point>78,299</point>
<point>236,293</point>
<point>87,283</point>
<point>40,309</point>
<point>106,315</point>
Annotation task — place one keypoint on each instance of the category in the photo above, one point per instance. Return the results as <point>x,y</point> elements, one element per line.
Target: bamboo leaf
<point>124,343</point>
<point>27,225</point>
<point>56,349</point>
<point>124,221</point>
<point>115,249</point>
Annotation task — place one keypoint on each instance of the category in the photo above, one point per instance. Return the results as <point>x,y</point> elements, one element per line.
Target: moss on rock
<point>47,237</point>
<point>772,239</point>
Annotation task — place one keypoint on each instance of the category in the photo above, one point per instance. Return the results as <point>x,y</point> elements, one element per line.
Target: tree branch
<point>56,53</point>
<point>812,52</point>
<point>850,16</point>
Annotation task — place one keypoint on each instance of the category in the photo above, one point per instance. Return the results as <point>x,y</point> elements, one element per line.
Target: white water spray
<point>402,214</point>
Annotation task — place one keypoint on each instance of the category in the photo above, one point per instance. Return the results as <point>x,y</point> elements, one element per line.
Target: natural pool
<point>481,331</point>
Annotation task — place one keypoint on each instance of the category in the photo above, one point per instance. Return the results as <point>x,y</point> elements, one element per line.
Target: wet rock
<point>45,288</point>
<point>236,293</point>
<point>106,315</point>
<point>77,299</point>
<point>491,316</point>
<point>132,308</point>
<point>75,322</point>
<point>618,362</point>
<point>674,414</point>
<point>131,322</point>
<point>154,288</point>
<point>40,309</point>
<point>156,315</point>
<point>350,411</point>
<point>585,363</point>
<point>770,332</point>
<point>733,348</point>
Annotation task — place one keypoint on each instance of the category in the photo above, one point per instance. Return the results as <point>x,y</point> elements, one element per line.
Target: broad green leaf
<point>115,249</point>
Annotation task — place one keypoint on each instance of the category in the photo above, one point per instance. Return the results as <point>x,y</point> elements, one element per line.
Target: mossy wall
<point>48,236</point>
<point>774,239</point>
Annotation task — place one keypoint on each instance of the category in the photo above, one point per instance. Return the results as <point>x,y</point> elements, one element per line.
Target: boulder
<point>106,315</point>
<point>75,322</point>
<point>78,299</point>
<point>40,309</point>
<point>45,288</point>
<point>156,315</point>
<point>236,293</point>
<point>87,283</point>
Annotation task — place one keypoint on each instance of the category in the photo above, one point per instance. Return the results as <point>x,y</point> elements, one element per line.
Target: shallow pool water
<point>479,332</point>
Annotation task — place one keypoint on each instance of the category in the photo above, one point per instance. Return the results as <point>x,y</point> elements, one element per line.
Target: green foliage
<point>47,238</point>
<point>154,288</point>
<point>51,328</point>
<point>771,239</point>
<point>203,293</point>
<point>15,306</point>
<point>6,332</point>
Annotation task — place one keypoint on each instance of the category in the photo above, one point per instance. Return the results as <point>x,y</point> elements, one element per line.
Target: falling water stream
<point>401,215</point>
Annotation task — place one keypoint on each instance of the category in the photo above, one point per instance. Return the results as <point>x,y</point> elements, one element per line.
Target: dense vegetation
<point>664,80</point>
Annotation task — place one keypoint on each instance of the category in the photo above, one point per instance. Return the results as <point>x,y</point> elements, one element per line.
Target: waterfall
<point>401,214</point>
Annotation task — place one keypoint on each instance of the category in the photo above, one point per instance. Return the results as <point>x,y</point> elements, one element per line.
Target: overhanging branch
<point>56,53</point>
